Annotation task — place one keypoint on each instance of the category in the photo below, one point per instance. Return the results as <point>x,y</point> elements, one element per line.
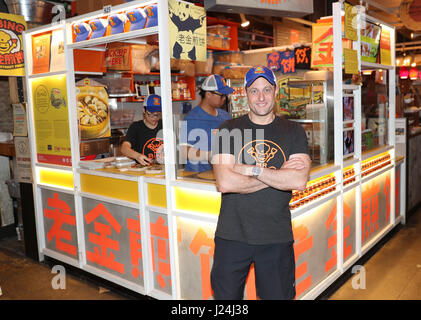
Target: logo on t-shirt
<point>262,153</point>
<point>152,147</point>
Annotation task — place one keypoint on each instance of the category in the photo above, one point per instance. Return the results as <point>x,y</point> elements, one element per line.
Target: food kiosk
<point>151,230</point>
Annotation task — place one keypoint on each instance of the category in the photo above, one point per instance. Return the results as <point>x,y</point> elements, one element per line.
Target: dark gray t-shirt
<point>262,217</point>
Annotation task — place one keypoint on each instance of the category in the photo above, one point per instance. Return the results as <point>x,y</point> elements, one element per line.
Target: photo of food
<point>92,110</point>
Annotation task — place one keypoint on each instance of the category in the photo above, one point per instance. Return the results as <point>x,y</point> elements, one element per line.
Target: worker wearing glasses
<point>143,141</point>
<point>201,123</point>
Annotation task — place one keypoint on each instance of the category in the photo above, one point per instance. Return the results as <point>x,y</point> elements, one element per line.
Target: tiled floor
<point>393,272</point>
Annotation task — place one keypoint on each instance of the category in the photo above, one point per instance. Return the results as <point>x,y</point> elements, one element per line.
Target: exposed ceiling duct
<point>34,11</point>
<point>285,8</point>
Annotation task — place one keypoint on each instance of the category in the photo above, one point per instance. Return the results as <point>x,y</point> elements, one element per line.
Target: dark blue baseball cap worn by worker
<point>216,83</point>
<point>153,103</point>
<point>257,72</point>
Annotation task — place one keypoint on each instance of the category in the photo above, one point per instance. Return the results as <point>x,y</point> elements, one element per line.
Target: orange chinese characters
<point>61,214</point>
<point>370,211</point>
<point>100,254</point>
<point>303,243</point>
<point>301,55</point>
<point>288,65</point>
<point>386,192</point>
<point>159,235</point>
<point>135,245</point>
<point>201,242</point>
<point>324,53</point>
<point>333,240</point>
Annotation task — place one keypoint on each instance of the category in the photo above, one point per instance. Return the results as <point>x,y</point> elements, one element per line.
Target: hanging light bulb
<point>244,22</point>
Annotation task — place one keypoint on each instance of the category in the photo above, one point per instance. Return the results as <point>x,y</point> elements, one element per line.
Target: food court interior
<point>360,110</point>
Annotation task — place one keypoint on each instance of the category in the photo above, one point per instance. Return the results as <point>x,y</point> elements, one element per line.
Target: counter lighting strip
<point>53,187</point>
<point>375,174</point>
<point>306,208</point>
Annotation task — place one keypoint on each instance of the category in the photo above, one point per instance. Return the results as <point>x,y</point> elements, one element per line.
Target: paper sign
<point>187,26</point>
<point>51,120</point>
<point>19,120</point>
<point>351,61</point>
<point>350,22</point>
<point>385,56</point>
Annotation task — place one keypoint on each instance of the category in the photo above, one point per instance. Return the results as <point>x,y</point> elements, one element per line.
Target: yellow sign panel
<point>109,187</point>
<point>51,120</point>
<point>157,195</point>
<point>11,45</point>
<point>187,25</point>
<point>197,200</point>
<point>55,177</point>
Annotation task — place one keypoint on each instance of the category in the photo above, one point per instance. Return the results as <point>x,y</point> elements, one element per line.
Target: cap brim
<point>154,108</point>
<point>225,90</point>
<point>250,82</point>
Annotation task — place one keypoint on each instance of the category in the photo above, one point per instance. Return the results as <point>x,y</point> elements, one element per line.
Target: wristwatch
<point>256,171</point>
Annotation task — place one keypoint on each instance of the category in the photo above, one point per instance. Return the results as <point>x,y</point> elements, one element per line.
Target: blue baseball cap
<point>117,21</point>
<point>98,26</point>
<point>82,31</point>
<point>153,103</point>
<point>257,72</point>
<point>137,19</point>
<point>216,83</point>
<point>152,13</point>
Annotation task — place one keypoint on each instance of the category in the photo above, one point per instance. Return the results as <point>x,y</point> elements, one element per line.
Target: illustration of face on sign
<point>187,31</point>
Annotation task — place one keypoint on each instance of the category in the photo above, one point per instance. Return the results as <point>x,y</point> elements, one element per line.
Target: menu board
<point>370,42</point>
<point>51,120</point>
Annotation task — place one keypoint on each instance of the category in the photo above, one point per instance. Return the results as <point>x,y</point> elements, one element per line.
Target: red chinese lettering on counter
<point>61,214</point>
<point>100,254</point>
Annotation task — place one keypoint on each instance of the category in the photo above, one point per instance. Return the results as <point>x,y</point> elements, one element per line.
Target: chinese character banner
<point>159,238</point>
<point>113,239</point>
<point>196,250</point>
<point>315,246</point>
<point>375,206</point>
<point>60,222</point>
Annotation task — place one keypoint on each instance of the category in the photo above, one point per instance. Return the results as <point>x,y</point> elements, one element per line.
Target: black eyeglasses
<point>218,94</point>
<point>154,114</point>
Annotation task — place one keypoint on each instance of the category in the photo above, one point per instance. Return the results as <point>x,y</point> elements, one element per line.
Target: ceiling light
<point>244,22</point>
